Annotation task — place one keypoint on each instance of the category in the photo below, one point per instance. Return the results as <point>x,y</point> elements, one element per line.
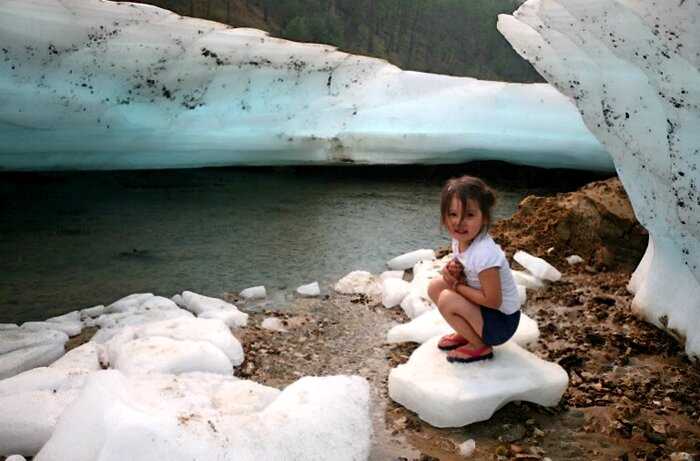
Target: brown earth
<point>595,222</point>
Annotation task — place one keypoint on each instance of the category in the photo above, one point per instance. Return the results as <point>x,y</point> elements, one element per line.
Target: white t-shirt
<point>483,253</point>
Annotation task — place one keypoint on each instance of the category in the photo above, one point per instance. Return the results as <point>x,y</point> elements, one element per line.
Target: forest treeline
<point>454,37</point>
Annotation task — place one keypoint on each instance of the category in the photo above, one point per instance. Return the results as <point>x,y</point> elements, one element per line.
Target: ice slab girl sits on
<point>476,293</point>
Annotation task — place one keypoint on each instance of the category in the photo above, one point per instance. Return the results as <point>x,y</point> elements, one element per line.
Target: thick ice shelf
<point>119,86</point>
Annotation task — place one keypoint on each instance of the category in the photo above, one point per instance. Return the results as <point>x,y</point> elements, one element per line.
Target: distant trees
<point>456,37</point>
<point>315,28</point>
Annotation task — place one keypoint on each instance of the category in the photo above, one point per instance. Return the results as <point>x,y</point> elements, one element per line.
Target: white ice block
<point>417,301</point>
<point>408,260</point>
<point>233,318</point>
<point>165,355</point>
<point>359,282</point>
<point>257,292</point>
<point>467,448</point>
<point>70,317</point>
<point>19,360</point>
<point>117,323</point>
<point>455,394</point>
<point>574,259</point>
<point>92,312</point>
<point>31,404</point>
<point>84,357</point>
<point>537,266</point>
<point>522,294</point>
<point>129,303</point>
<point>212,331</point>
<point>19,338</point>
<point>197,416</point>
<point>69,328</point>
<point>242,103</point>
<point>527,280</point>
<point>208,307</point>
<point>273,324</point>
<point>629,67</point>
<point>391,275</point>
<point>394,290</point>
<point>310,290</point>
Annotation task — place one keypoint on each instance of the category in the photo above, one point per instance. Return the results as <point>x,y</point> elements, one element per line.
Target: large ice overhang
<point>90,84</point>
<point>632,69</point>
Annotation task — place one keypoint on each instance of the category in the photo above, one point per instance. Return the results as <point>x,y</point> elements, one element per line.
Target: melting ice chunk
<point>574,259</point>
<point>257,292</point>
<point>273,324</point>
<point>455,394</point>
<point>359,282</point>
<point>197,416</point>
<point>394,290</point>
<point>537,266</point>
<point>527,280</point>
<point>310,290</point>
<point>408,260</point>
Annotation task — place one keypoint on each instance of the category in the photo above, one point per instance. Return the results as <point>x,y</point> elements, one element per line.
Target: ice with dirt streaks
<point>126,86</point>
<point>633,71</point>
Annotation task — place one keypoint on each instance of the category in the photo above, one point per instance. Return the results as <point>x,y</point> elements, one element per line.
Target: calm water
<point>69,241</point>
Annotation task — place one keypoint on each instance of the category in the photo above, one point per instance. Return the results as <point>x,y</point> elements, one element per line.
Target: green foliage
<point>297,29</point>
<point>316,29</point>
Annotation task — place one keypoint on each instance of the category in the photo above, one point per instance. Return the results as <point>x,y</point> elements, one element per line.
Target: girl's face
<point>464,225</point>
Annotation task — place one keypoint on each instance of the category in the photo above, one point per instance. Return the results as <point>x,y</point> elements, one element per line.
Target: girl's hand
<point>455,268</point>
<point>449,279</point>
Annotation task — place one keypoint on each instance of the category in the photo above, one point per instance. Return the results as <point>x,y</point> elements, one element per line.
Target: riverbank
<point>632,394</point>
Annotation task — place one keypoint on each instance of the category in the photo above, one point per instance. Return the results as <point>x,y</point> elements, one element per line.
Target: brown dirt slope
<point>596,222</point>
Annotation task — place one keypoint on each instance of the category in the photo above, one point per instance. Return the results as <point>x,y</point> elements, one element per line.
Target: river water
<point>74,240</point>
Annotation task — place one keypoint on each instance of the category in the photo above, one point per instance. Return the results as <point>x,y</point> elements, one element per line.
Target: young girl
<point>476,293</point>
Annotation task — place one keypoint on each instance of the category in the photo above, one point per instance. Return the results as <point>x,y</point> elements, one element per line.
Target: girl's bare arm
<point>489,294</point>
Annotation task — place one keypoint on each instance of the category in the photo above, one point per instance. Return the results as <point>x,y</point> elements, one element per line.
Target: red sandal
<point>451,341</point>
<point>465,355</point>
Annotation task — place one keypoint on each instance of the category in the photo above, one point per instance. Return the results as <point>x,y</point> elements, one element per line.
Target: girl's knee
<point>446,301</point>
<point>442,306</point>
<point>449,300</point>
<point>435,288</point>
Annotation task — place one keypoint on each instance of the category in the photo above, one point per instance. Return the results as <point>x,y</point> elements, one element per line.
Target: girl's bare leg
<point>437,286</point>
<point>462,315</point>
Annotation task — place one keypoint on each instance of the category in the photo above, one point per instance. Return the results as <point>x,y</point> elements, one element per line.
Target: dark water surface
<point>73,240</point>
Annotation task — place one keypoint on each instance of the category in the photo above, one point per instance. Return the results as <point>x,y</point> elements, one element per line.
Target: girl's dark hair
<point>468,188</point>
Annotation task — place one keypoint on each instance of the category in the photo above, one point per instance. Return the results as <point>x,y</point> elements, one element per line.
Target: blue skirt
<point>498,327</point>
